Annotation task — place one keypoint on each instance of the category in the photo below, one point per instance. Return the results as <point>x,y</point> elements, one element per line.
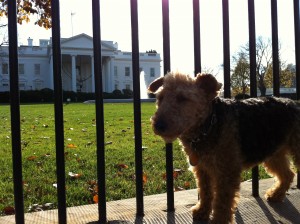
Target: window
<point>22,85</point>
<point>152,72</point>
<point>4,68</point>
<point>116,71</point>
<point>127,71</point>
<point>116,86</point>
<point>37,69</point>
<point>5,86</point>
<point>127,86</point>
<point>21,69</point>
<point>38,85</point>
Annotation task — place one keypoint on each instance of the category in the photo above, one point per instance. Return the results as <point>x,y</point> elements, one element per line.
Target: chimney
<point>30,41</point>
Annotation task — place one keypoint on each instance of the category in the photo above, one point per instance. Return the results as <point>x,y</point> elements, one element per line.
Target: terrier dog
<point>221,137</point>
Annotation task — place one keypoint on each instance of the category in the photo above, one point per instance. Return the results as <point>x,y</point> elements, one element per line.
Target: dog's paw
<point>275,195</point>
<point>200,213</point>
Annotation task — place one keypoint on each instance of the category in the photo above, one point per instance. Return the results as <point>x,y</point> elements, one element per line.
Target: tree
<point>240,74</point>
<point>264,68</point>
<point>263,61</point>
<point>287,76</point>
<point>26,8</point>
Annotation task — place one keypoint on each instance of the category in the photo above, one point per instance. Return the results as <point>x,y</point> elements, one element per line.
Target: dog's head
<point>182,102</point>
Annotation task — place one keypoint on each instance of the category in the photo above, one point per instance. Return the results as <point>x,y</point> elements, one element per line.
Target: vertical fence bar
<point>59,118</point>
<point>275,51</point>
<point>97,51</point>
<point>15,112</point>
<point>226,49</point>
<point>297,57</point>
<point>197,40</point>
<point>137,109</point>
<point>167,67</point>
<point>253,84</point>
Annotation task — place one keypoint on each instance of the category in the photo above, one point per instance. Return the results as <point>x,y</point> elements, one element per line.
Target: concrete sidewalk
<point>250,209</point>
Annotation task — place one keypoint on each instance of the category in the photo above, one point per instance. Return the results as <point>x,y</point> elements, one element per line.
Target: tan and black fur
<point>222,137</point>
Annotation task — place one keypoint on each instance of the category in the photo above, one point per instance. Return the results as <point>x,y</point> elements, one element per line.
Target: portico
<point>78,64</point>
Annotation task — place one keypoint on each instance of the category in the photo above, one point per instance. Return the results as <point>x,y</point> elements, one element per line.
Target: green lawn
<point>38,155</point>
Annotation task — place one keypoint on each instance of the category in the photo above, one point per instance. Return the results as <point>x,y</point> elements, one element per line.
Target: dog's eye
<point>180,98</point>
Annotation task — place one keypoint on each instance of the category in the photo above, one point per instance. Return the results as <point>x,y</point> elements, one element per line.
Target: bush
<point>128,93</point>
<point>47,96</point>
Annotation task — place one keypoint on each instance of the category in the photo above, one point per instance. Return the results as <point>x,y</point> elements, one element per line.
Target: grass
<point>39,165</point>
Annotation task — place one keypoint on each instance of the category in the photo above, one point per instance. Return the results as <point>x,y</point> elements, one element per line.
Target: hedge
<point>47,95</point>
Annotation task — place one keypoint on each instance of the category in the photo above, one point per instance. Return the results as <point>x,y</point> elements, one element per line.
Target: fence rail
<point>59,125</point>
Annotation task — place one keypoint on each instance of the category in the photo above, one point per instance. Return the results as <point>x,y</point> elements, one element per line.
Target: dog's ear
<point>209,84</point>
<point>153,87</point>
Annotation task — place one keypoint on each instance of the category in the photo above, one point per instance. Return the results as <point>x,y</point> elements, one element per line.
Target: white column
<point>108,75</point>
<point>103,75</point>
<point>93,74</point>
<point>51,84</point>
<point>111,75</point>
<point>74,88</point>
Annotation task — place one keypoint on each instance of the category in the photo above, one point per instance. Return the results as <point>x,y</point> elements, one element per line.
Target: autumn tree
<point>264,68</point>
<point>263,61</point>
<point>287,76</point>
<point>240,74</point>
<point>26,8</point>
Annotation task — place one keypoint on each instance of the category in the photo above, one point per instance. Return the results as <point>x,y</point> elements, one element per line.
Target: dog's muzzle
<point>159,125</point>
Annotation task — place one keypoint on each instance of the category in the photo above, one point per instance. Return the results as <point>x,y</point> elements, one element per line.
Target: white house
<point>36,65</point>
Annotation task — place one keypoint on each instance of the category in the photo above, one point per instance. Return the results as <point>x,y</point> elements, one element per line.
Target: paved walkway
<point>250,210</point>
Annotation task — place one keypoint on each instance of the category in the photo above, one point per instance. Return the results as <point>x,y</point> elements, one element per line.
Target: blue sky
<point>115,26</point>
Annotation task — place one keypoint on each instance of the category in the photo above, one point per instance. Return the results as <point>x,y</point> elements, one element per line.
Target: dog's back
<point>264,124</point>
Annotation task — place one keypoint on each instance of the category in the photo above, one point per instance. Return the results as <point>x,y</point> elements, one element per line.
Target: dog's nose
<point>160,126</point>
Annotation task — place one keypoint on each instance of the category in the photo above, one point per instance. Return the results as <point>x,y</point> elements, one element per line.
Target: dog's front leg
<point>203,208</point>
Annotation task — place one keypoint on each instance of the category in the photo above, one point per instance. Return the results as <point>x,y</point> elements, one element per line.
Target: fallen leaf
<point>122,166</point>
<point>47,155</point>
<point>92,182</point>
<point>89,143</point>
<point>47,206</point>
<point>178,189</point>
<point>187,184</point>
<point>145,178</point>
<point>177,172</point>
<point>71,146</point>
<point>74,175</point>
<point>31,158</point>
<point>95,198</point>
<point>9,210</point>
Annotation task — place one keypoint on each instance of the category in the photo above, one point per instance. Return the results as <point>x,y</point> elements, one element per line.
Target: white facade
<point>36,66</point>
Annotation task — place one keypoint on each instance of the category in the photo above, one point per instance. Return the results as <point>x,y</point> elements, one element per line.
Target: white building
<point>36,65</point>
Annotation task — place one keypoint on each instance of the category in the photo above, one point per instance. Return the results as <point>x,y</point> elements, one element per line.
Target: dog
<point>222,137</point>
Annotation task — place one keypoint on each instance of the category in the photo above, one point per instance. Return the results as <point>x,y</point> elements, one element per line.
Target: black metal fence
<point>59,125</point>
